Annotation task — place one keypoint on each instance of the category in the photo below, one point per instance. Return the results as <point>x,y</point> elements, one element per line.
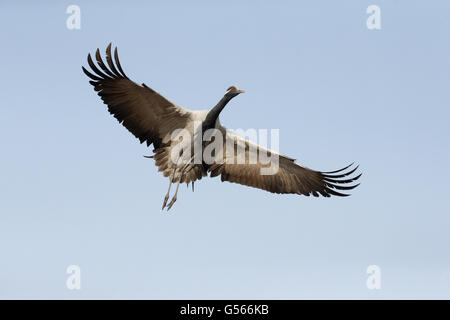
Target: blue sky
<point>77,191</point>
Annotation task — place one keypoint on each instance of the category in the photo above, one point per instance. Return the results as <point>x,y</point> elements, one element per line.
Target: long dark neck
<point>213,114</point>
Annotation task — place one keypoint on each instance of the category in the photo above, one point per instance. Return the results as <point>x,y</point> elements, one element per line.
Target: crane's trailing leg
<point>174,198</point>
<point>186,168</point>
<point>168,191</point>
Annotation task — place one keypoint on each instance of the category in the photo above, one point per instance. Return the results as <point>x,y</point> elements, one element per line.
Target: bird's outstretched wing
<point>290,177</point>
<point>144,112</point>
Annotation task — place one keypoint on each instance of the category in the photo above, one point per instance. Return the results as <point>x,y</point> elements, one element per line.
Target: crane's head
<point>233,91</point>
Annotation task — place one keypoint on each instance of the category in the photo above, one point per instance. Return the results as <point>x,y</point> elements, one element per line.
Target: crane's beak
<point>241,91</point>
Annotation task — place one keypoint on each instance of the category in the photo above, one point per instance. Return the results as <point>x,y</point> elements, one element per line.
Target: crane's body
<point>153,119</point>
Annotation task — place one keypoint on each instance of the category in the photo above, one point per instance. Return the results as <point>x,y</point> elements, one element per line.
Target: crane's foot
<point>165,202</point>
<point>171,202</point>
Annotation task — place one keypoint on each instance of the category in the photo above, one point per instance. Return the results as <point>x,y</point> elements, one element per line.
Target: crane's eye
<point>230,89</point>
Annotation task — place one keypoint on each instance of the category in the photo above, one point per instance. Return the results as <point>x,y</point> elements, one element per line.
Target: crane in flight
<point>153,119</point>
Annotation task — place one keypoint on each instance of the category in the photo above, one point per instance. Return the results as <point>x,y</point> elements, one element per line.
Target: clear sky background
<point>75,189</point>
